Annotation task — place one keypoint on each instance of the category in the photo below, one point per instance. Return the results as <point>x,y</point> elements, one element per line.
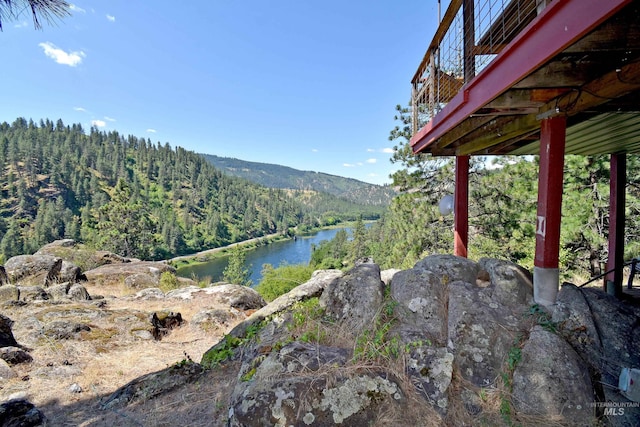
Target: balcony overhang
<point>578,58</point>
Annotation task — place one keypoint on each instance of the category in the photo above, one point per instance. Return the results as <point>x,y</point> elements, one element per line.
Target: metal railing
<point>470,35</point>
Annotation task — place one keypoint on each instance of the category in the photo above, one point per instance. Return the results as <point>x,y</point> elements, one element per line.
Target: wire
<point>628,82</point>
<point>606,272</point>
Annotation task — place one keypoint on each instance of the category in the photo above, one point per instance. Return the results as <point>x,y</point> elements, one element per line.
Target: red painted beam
<point>561,24</point>
<point>550,183</point>
<point>461,207</point>
<point>617,189</point>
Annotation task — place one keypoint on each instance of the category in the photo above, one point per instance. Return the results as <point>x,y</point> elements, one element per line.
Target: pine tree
<point>235,271</point>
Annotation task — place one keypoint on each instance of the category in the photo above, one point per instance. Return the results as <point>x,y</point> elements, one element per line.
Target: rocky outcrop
<point>236,296</point>
<point>54,247</point>
<point>448,342</point>
<point>356,298</point>
<point>120,271</point>
<point>142,281</point>
<point>41,269</point>
<point>604,332</point>
<point>551,382</point>
<point>461,328</point>
<point>21,413</point>
<point>6,335</point>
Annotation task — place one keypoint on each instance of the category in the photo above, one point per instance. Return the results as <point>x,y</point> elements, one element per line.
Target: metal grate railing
<point>470,35</point>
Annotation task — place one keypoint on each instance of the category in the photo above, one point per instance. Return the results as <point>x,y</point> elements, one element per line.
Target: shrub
<point>279,281</point>
<point>168,281</point>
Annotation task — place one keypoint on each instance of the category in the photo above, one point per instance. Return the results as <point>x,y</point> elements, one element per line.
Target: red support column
<point>546,276</point>
<point>461,207</point>
<point>617,185</point>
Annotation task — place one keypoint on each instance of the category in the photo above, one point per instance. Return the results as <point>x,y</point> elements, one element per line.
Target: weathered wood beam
<point>460,131</point>
<point>597,92</point>
<point>615,84</point>
<point>561,72</point>
<point>505,129</point>
<point>621,33</point>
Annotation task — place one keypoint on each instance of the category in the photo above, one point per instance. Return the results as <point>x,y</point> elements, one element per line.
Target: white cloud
<point>80,109</point>
<point>370,150</point>
<point>111,18</point>
<point>314,150</point>
<point>372,160</point>
<point>98,123</point>
<point>109,119</point>
<point>348,165</point>
<point>21,24</point>
<point>76,8</point>
<point>388,150</point>
<point>71,59</point>
<point>151,130</point>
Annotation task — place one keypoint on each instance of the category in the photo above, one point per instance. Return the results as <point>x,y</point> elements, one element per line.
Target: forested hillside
<point>277,176</point>
<point>136,198</point>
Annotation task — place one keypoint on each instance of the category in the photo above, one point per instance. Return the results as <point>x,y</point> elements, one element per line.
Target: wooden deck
<point>577,58</point>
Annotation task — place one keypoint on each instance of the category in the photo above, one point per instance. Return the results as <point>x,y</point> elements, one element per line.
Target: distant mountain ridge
<point>277,176</point>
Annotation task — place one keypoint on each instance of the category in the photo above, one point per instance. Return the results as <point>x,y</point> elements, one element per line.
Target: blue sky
<point>307,84</point>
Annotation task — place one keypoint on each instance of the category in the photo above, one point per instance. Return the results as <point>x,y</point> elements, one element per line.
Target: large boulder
<point>453,342</point>
<point>551,382</point>
<point>14,355</point>
<point>21,413</point>
<point>70,272</point>
<point>604,331</point>
<point>216,319</point>
<point>291,387</point>
<point>239,297</point>
<point>355,299</point>
<point>66,291</point>
<point>22,266</point>
<point>54,247</point>
<point>142,281</point>
<point>33,293</point>
<point>120,271</point>
<point>6,335</point>
<point>65,329</point>
<point>236,296</point>
<point>422,304</point>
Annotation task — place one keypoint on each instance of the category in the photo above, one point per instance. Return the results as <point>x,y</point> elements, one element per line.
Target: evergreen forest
<point>137,198</point>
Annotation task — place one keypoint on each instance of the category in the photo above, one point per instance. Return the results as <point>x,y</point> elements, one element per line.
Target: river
<point>291,251</point>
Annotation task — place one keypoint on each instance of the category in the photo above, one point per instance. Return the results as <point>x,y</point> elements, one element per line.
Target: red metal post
<point>617,185</point>
<point>461,207</point>
<point>550,183</point>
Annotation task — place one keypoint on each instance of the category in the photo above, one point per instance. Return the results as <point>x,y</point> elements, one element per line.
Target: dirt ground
<point>70,379</point>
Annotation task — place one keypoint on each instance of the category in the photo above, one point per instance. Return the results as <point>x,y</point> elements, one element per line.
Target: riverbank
<point>210,254</point>
<point>214,254</point>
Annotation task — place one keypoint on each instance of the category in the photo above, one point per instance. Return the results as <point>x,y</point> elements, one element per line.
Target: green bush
<point>279,281</point>
<point>168,281</point>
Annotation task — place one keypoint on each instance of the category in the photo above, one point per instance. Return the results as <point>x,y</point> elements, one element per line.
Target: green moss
<point>247,376</point>
<point>224,350</point>
<point>220,352</point>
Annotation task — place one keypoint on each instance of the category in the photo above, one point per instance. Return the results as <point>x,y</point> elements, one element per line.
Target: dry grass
<point>109,356</point>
